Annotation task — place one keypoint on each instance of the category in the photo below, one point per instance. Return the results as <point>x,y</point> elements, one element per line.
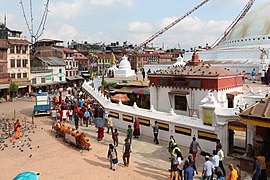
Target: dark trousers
<point>263,175</point>
<point>86,119</point>
<point>126,159</point>
<point>110,128</point>
<point>76,124</point>
<point>155,138</point>
<point>222,168</point>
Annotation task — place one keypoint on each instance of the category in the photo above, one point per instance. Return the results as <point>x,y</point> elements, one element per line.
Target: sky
<point>127,20</point>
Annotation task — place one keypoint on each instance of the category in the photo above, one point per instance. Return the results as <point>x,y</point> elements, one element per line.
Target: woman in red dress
<point>136,131</point>
<point>100,134</point>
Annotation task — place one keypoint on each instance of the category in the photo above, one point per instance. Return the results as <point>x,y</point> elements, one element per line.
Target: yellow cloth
<point>18,132</point>
<point>261,159</point>
<point>233,175</point>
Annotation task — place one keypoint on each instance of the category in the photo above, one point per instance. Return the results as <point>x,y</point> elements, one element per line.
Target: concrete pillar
<point>250,133</point>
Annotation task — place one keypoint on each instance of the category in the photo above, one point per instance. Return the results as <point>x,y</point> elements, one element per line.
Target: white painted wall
<point>162,101</point>
<point>163,117</point>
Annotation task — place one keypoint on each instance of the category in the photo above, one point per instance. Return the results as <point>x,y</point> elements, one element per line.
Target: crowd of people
<point>83,110</point>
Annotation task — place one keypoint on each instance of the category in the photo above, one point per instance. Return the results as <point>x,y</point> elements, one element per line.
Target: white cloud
<point>65,10</point>
<point>138,26</point>
<point>111,2</point>
<point>65,32</point>
<point>190,32</point>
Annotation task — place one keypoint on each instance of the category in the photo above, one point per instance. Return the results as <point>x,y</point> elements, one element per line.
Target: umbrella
<point>27,176</point>
<point>141,91</point>
<point>100,122</point>
<point>60,89</point>
<point>69,88</point>
<point>122,97</point>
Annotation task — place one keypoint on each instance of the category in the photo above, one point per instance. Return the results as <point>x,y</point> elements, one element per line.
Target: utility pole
<point>103,68</point>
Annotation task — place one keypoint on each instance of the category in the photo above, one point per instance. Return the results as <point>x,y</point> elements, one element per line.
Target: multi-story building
<point>18,57</point>
<point>52,48</point>
<point>4,75</point>
<point>104,62</point>
<point>72,65</point>
<point>47,73</point>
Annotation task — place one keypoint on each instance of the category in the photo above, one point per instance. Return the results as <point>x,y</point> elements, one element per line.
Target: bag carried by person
<point>113,154</point>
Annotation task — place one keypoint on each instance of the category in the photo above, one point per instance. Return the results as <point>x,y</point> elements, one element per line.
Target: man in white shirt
<point>221,158</point>
<point>208,169</point>
<point>215,159</point>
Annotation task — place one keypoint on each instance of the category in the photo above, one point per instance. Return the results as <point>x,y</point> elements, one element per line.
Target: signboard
<point>127,118</point>
<point>163,126</point>
<point>144,122</point>
<point>114,114</point>
<point>207,117</point>
<point>182,130</point>
<point>48,78</point>
<point>207,136</point>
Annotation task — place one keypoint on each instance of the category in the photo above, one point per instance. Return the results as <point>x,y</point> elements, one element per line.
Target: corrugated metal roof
<point>53,61</point>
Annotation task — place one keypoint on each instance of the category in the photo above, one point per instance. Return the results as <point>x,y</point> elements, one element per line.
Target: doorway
<point>237,138</point>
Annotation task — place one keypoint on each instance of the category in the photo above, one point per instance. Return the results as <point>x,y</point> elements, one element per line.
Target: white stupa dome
<point>124,64</point>
<point>179,62</point>
<point>256,24</point>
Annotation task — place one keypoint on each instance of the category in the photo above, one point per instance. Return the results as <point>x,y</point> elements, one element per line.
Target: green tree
<point>13,89</point>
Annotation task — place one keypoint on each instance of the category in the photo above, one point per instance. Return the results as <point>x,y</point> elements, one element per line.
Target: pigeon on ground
<point>30,155</point>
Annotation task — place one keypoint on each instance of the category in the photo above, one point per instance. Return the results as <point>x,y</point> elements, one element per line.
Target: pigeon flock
<point>24,143</point>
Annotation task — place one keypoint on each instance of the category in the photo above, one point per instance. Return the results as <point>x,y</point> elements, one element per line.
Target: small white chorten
<point>124,69</point>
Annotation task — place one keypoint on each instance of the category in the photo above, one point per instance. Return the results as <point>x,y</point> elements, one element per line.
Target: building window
<point>19,64</point>
<point>70,73</point>
<point>23,49</point>
<point>230,101</point>
<point>34,81</point>
<point>66,73</point>
<point>60,70</point>
<point>180,103</point>
<point>1,69</point>
<point>19,75</point>
<point>12,63</point>
<point>52,79</point>
<point>12,76</point>
<point>24,62</point>
<point>18,49</point>
<point>60,78</point>
<point>12,50</point>
<point>43,80</point>
<point>1,55</point>
<point>24,75</point>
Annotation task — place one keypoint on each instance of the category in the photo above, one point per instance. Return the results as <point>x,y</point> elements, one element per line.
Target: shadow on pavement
<point>94,163</point>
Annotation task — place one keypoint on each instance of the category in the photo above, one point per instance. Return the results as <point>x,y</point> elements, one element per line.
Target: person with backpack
<point>193,148</point>
<point>115,135</point>
<point>112,156</point>
<point>127,148</point>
